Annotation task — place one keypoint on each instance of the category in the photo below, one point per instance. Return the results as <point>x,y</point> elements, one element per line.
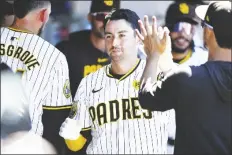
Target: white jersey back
<point>44,71</point>
<point>198,57</point>
<point>119,125</point>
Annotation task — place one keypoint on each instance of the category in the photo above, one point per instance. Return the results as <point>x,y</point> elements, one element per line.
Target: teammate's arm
<point>76,130</point>
<point>155,94</point>
<point>163,99</point>
<point>58,103</point>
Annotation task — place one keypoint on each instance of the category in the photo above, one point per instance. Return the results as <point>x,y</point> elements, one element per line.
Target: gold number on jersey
<point>20,72</point>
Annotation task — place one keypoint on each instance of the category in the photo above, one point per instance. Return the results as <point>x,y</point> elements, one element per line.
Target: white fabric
<point>70,129</point>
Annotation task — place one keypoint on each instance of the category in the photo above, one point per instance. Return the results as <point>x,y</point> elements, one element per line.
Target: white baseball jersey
<point>110,108</point>
<point>197,57</point>
<point>44,71</point>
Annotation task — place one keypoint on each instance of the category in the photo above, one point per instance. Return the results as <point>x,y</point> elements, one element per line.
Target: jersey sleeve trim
<point>85,129</point>
<point>127,74</point>
<point>57,108</point>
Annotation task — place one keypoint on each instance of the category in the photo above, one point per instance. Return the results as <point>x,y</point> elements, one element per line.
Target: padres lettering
<point>90,69</point>
<point>118,110</point>
<point>17,52</point>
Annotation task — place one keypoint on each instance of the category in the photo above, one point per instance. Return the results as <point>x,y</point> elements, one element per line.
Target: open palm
<point>155,40</point>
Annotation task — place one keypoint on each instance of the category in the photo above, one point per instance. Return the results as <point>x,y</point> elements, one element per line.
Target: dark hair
<point>6,8</point>
<point>23,7</point>
<point>224,41</point>
<point>126,14</point>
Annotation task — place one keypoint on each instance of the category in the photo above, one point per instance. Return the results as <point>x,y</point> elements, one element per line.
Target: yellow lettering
<point>24,56</point>
<point>2,49</point>
<point>33,65</point>
<point>147,114</point>
<point>135,108</point>
<point>90,69</point>
<point>86,70</point>
<point>20,72</point>
<point>114,111</point>
<point>92,113</point>
<point>126,109</point>
<point>93,68</point>
<point>10,50</point>
<point>18,52</point>
<point>101,113</point>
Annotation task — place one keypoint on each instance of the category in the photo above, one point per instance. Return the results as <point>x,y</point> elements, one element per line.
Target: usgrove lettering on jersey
<point>19,53</point>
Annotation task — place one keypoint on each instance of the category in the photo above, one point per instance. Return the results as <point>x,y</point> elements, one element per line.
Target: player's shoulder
<point>200,51</point>
<point>199,56</point>
<point>98,72</point>
<point>52,53</point>
<point>52,49</point>
<point>97,75</point>
<point>4,30</point>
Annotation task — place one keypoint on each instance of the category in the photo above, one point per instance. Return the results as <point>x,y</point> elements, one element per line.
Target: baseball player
<point>202,97</point>
<point>85,50</point>
<point>43,68</point>
<point>182,22</point>
<point>106,102</point>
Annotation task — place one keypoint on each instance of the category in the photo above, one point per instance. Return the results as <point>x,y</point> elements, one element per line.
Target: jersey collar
<point>18,30</point>
<point>126,75</point>
<point>187,57</point>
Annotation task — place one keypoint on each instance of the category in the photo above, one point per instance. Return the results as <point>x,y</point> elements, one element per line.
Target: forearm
<point>146,101</point>
<point>150,73</point>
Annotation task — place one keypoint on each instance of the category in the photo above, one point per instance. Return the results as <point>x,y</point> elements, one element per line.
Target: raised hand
<point>155,40</point>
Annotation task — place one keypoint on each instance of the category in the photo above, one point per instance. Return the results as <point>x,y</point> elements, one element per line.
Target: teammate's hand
<point>156,40</point>
<point>70,129</point>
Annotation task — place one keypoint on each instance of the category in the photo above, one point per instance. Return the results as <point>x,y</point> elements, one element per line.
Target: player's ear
<point>44,15</point>
<point>208,34</point>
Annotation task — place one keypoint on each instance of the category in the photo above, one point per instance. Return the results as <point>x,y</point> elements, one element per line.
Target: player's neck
<point>123,67</point>
<point>179,56</point>
<point>97,42</point>
<point>220,54</point>
<point>22,25</point>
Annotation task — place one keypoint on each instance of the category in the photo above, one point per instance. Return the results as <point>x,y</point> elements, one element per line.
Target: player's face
<point>207,30</point>
<point>182,36</point>
<point>96,20</point>
<point>121,40</point>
